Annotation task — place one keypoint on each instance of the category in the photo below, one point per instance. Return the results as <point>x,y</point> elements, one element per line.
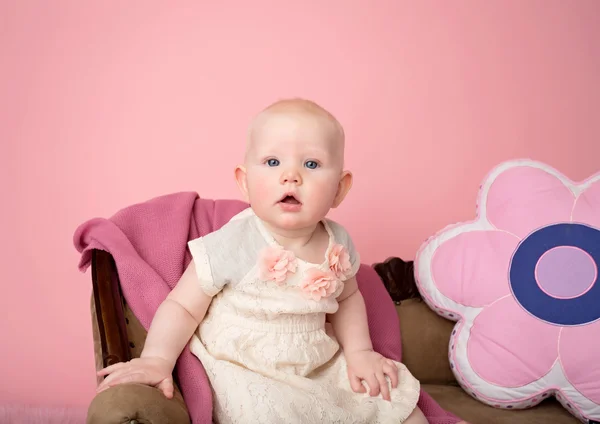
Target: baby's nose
<point>291,177</point>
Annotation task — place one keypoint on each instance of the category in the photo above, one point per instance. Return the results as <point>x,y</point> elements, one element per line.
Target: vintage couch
<point>118,336</point>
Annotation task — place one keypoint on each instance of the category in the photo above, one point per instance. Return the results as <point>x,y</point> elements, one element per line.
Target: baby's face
<point>294,164</point>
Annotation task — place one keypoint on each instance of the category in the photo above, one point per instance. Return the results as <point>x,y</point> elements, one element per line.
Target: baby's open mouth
<point>290,199</point>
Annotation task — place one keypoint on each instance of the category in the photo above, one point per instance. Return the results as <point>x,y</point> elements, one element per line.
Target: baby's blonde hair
<point>301,105</point>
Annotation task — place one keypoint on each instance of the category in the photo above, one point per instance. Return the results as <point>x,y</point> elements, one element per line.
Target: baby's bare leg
<point>416,417</point>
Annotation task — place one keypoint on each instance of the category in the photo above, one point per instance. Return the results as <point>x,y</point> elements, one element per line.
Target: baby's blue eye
<point>311,164</point>
<point>273,162</point>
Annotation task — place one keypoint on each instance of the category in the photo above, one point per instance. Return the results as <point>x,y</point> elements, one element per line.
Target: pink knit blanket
<point>148,242</point>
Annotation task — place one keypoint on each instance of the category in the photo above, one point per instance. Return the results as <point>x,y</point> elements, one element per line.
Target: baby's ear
<point>343,188</point>
<point>242,180</point>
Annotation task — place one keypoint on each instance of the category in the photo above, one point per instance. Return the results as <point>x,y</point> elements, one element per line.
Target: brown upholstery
<point>118,336</point>
<point>455,400</point>
<point>428,362</point>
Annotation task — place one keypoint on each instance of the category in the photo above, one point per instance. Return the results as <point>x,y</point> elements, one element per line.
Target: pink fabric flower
<point>274,263</point>
<point>318,284</point>
<point>511,344</point>
<point>339,261</point>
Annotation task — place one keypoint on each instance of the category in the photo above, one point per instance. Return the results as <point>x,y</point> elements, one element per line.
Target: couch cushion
<point>425,338</point>
<point>457,401</point>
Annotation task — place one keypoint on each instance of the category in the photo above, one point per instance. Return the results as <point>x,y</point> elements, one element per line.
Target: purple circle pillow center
<point>565,272</point>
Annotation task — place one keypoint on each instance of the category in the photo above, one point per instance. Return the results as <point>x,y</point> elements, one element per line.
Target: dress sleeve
<point>343,237</point>
<point>224,256</point>
<point>203,267</point>
<point>354,257</point>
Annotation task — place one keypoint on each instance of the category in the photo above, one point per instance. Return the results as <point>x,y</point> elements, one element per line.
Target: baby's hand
<point>371,367</point>
<point>151,371</point>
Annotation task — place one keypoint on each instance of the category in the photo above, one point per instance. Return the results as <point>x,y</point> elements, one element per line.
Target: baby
<point>270,303</point>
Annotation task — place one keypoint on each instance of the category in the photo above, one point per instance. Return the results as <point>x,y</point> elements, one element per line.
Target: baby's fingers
<point>167,387</point>
<point>356,384</point>
<point>119,377</point>
<point>110,368</point>
<point>374,385</point>
<point>383,385</point>
<point>391,370</point>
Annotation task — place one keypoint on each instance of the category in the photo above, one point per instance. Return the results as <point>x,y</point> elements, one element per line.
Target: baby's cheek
<point>325,193</point>
<point>261,190</point>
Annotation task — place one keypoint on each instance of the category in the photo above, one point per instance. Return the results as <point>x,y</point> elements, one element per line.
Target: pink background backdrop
<point>108,104</point>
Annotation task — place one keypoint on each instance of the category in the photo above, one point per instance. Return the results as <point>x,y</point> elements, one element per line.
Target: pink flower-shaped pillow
<point>522,283</point>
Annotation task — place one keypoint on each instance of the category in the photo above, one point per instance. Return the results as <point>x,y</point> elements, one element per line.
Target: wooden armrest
<point>124,402</point>
<point>136,403</point>
<point>109,309</point>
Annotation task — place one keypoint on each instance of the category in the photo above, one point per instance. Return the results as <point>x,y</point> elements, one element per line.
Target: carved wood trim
<point>109,309</point>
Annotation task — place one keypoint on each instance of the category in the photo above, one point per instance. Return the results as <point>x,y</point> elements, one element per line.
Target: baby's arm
<point>177,318</point>
<point>350,321</point>
<point>175,321</point>
<point>352,331</point>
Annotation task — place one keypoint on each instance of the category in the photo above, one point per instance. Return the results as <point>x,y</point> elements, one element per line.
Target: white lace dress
<point>268,352</point>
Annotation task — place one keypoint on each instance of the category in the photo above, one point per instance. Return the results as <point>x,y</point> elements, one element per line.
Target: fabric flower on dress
<point>274,263</point>
<point>318,284</point>
<point>339,261</point>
